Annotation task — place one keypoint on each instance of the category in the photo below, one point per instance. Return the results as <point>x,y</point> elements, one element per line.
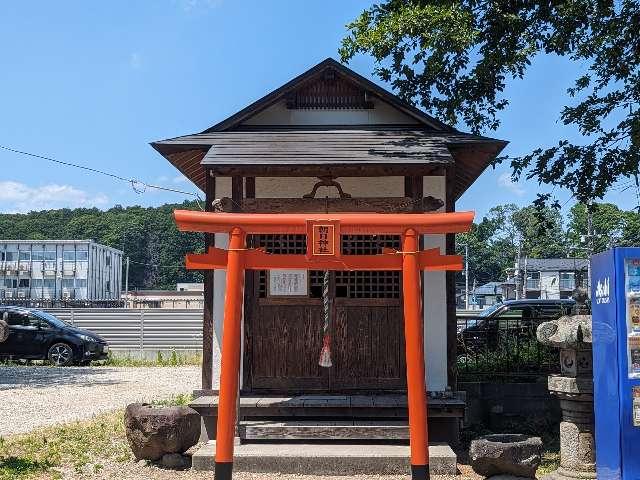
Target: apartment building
<point>59,269</point>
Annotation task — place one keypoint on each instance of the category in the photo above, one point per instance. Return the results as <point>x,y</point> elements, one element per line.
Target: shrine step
<point>323,430</point>
<point>325,459</point>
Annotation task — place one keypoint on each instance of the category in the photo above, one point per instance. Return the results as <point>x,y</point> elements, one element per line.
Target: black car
<point>31,334</point>
<point>514,318</point>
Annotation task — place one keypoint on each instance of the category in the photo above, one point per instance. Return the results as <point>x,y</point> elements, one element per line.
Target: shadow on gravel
<point>42,377</point>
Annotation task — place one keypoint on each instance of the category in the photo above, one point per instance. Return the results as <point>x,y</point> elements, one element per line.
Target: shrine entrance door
<point>283,332</point>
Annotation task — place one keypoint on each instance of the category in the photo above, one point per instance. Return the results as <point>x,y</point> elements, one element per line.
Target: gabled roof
<point>233,146</point>
<point>556,264</point>
<point>279,93</point>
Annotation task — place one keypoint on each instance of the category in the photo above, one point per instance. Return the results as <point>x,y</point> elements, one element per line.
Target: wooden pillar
<point>450,249</point>
<point>207,319</point>
<point>230,359</point>
<point>414,347</point>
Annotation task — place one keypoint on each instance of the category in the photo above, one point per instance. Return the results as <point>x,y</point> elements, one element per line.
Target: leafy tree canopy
<point>454,58</point>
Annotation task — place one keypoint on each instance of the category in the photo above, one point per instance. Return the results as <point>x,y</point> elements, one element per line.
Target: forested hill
<point>147,235</point>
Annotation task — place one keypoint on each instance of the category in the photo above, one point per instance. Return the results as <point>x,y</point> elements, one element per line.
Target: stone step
<point>326,459</point>
<point>323,430</point>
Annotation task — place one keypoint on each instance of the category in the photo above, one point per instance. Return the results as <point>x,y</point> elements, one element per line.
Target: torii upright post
<point>230,361</point>
<point>414,346</point>
<point>323,253</point>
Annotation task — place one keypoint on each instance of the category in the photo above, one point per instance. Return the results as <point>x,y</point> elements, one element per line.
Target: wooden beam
<point>318,170</point>
<point>237,192</point>
<point>207,319</point>
<point>321,205</point>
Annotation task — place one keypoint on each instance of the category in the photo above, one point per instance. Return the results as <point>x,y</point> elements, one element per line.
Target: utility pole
<point>517,272</point>
<point>589,243</point>
<point>466,276</point>
<point>126,284</point>
<point>524,279</point>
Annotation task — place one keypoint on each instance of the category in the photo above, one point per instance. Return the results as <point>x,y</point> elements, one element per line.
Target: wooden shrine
<point>331,142</point>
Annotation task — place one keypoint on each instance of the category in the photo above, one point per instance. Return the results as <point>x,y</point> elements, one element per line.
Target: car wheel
<point>4,331</point>
<point>60,355</point>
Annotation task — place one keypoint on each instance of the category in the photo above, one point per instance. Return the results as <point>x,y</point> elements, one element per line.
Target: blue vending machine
<point>615,300</point>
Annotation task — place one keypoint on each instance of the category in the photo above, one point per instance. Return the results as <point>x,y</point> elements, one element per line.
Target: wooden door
<point>283,335</point>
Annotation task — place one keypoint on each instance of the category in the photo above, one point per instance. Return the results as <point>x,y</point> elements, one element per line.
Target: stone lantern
<point>574,389</point>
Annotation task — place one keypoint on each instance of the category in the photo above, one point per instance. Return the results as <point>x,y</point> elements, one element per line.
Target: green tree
<point>608,224</point>
<point>455,58</point>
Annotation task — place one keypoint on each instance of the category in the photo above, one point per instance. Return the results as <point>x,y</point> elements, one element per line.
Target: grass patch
<point>78,445</point>
<point>550,462</point>
<point>180,399</point>
<point>82,446</point>
<point>174,359</point>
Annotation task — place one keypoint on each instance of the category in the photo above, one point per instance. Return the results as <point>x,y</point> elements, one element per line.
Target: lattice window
<point>359,284</point>
<point>283,244</point>
<point>365,284</point>
<point>368,244</point>
<point>279,244</point>
<point>368,284</point>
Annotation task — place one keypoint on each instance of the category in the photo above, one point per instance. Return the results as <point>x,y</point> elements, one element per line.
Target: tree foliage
<point>147,235</point>
<point>507,230</point>
<point>454,59</point>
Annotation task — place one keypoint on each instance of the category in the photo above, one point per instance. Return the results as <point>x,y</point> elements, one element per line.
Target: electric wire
<point>135,183</point>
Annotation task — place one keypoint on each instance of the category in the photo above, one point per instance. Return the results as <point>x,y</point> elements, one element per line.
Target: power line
<point>135,184</point>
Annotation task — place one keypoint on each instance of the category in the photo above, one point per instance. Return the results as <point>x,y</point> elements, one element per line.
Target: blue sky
<point>94,82</point>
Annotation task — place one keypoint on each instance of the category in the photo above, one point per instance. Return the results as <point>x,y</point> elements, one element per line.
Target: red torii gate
<point>323,253</point>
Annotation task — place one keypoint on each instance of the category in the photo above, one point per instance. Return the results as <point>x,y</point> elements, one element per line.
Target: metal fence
<point>144,329</point>
<point>49,303</point>
<point>502,348</point>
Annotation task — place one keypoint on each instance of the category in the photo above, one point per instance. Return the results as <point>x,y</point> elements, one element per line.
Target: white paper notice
<point>288,283</point>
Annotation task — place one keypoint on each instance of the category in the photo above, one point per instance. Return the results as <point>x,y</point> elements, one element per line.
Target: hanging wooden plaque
<point>323,238</point>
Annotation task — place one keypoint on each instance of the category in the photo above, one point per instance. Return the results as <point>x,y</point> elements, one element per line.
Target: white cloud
<point>180,179</point>
<point>16,197</point>
<point>135,60</point>
<point>507,182</point>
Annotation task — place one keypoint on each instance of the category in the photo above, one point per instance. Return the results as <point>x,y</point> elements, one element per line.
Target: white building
<point>554,278</point>
<point>59,269</point>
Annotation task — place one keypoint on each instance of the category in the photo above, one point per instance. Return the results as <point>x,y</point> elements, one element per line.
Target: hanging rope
<point>325,354</point>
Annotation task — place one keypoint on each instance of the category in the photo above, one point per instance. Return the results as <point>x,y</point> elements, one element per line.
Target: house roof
<point>557,264</point>
<point>490,288</point>
<point>427,141</point>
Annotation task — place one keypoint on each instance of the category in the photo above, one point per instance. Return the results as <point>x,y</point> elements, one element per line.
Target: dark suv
<point>513,318</point>
<point>31,334</point>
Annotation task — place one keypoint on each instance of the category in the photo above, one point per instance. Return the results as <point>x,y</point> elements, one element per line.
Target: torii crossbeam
<point>323,253</point>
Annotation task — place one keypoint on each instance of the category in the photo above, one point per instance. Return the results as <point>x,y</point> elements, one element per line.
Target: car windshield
<point>487,312</point>
<point>55,321</point>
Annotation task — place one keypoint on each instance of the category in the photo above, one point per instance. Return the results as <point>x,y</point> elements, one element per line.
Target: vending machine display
<point>615,300</point>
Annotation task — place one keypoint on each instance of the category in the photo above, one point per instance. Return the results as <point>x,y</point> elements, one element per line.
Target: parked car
<point>30,334</point>
<point>514,318</point>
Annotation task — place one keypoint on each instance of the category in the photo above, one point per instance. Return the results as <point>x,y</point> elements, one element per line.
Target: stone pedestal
<point>574,389</point>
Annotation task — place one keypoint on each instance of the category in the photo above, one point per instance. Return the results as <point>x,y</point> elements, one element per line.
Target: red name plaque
<point>323,238</point>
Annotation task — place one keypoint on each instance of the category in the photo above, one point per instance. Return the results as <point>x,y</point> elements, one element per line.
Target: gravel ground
<point>32,397</point>
<point>141,471</point>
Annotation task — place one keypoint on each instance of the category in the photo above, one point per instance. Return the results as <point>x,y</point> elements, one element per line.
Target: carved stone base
<point>577,442</point>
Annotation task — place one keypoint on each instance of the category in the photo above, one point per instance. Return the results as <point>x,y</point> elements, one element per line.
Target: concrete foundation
<point>326,459</point>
